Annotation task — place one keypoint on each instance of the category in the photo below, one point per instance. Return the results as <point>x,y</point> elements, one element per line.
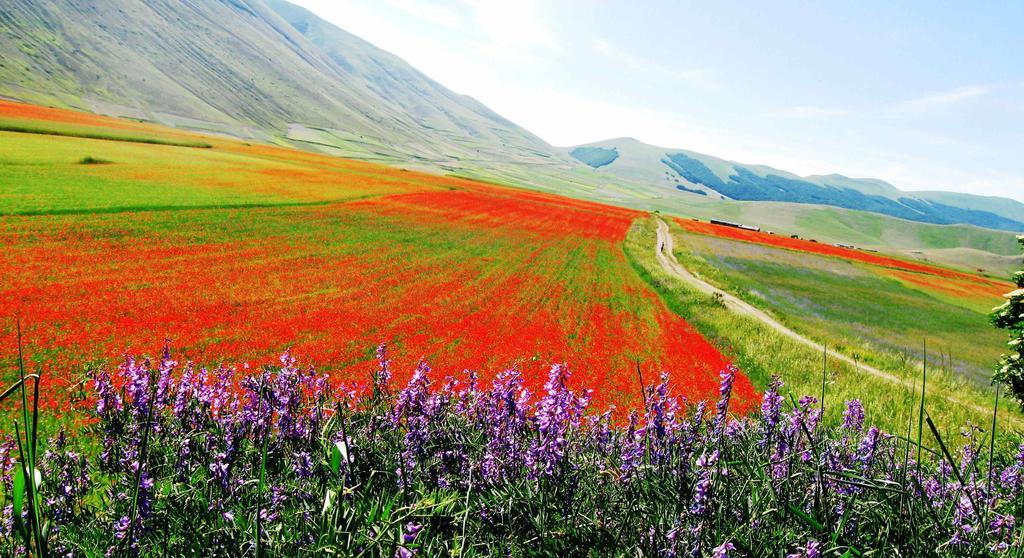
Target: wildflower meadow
<point>176,459</point>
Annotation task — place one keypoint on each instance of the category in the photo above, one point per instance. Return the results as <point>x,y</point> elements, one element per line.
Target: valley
<point>270,290</point>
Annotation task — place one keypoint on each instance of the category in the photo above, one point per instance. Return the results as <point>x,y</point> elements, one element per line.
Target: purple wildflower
<point>722,550</point>
<point>557,412</point>
<point>382,376</point>
<point>632,453</point>
<point>724,394</point>
<point>811,550</point>
<point>771,411</point>
<point>702,490</point>
<point>412,530</point>
<point>853,417</point>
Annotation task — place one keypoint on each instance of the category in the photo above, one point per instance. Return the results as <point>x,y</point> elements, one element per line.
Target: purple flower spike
<point>722,550</point>
<point>853,417</point>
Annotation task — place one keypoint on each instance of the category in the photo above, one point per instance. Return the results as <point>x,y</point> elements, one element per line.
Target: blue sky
<point>929,96</point>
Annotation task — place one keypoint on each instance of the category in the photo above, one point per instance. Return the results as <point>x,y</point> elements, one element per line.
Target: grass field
<point>854,300</point>
<point>239,251</point>
<point>963,247</point>
<point>952,397</point>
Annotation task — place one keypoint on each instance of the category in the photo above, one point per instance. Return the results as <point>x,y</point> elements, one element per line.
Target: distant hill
<point>705,175</point>
<point>1006,207</point>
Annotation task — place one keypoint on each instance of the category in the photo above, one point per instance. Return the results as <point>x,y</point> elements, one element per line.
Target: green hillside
<point>697,173</point>
<point>248,69</point>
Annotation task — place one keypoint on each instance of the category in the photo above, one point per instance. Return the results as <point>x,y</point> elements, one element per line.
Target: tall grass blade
<point>263,473</point>
<point>992,439</point>
<point>15,386</point>
<point>920,412</point>
<point>824,376</point>
<point>956,467</point>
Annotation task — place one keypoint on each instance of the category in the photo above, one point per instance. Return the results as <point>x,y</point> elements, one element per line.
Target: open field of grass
<point>854,300</point>
<point>34,119</point>
<point>964,247</point>
<point>57,131</point>
<point>762,352</point>
<point>239,251</point>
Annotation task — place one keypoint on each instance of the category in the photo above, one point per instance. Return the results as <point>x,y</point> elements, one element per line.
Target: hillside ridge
<point>704,174</point>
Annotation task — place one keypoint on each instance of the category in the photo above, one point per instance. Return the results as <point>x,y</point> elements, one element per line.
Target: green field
<point>44,174</point>
<point>761,352</point>
<point>848,305</point>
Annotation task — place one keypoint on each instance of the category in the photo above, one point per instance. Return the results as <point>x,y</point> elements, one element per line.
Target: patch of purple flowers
<point>185,460</point>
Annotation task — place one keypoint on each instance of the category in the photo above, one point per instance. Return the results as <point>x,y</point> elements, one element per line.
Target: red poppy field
<point>241,251</point>
<point>934,279</point>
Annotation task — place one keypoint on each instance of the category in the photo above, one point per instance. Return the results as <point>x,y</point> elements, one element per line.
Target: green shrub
<point>90,160</point>
<point>1010,316</point>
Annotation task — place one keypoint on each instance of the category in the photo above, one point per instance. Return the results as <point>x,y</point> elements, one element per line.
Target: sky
<point>925,95</point>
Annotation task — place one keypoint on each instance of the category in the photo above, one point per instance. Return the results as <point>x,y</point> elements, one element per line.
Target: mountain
<point>251,68</point>
<point>712,177</point>
<point>1006,207</point>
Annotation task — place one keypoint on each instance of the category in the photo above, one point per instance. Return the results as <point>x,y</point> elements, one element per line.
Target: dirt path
<point>668,261</point>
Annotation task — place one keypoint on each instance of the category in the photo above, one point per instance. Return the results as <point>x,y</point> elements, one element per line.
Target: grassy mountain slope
<point>247,68</point>
<point>700,173</point>
<point>1006,207</point>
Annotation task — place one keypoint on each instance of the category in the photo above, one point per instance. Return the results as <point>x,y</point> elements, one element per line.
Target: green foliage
<point>596,157</point>
<point>1010,316</point>
<point>47,174</point>
<point>90,160</point>
<point>273,463</point>
<point>27,480</point>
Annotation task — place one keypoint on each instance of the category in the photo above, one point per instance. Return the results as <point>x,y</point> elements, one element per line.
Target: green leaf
<point>810,521</point>
<point>18,502</point>
<point>335,459</point>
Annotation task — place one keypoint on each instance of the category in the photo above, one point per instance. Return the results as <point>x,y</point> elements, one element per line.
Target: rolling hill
<point>710,176</point>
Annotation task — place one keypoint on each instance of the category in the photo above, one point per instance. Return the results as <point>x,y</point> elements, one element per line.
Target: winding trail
<point>669,263</point>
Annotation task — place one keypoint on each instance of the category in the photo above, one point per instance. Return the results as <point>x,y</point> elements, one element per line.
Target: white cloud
<point>436,14</point>
<point>943,99</point>
<point>703,78</point>
<point>512,25</point>
<point>808,112</point>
